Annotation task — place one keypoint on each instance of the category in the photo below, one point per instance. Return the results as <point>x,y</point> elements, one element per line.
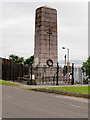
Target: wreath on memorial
<point>49,62</point>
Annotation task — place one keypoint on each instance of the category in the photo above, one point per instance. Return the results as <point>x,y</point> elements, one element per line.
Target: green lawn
<point>3,82</point>
<point>76,89</point>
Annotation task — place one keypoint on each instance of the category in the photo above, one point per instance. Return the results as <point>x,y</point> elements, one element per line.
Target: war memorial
<point>45,69</point>
<point>45,36</point>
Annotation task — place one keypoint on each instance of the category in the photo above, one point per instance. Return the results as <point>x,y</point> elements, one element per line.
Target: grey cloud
<point>19,21</point>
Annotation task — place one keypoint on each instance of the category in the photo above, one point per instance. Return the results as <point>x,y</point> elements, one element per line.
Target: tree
<point>16,58</point>
<point>21,60</point>
<point>29,60</point>
<point>86,65</point>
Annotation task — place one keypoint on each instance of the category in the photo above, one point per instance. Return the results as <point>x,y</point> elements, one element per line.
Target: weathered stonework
<point>45,18</point>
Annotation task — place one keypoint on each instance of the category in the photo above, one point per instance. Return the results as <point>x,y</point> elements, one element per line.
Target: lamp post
<point>68,63</point>
<point>65,59</point>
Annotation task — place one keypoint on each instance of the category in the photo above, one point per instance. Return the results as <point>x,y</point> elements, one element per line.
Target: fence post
<point>10,71</point>
<point>31,73</point>
<point>72,73</point>
<point>57,75</point>
<point>13,70</point>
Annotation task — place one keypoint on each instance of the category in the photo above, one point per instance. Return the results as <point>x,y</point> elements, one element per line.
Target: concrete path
<point>20,103</point>
<point>39,86</point>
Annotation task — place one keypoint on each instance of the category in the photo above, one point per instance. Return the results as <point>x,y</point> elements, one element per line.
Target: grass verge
<point>79,91</point>
<point>3,82</point>
<point>75,89</point>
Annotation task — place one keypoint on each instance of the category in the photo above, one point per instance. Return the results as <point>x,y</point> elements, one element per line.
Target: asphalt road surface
<point>20,103</point>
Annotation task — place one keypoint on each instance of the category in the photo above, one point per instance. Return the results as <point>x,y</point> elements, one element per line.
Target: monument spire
<point>45,45</point>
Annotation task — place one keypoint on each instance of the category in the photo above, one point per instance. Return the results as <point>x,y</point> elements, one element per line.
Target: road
<point>20,103</point>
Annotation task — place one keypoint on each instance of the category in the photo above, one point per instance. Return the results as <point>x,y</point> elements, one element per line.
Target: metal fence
<point>12,70</point>
<point>51,75</point>
<point>37,75</point>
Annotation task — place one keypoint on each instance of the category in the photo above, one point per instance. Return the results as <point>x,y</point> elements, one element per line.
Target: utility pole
<point>65,59</point>
<point>68,63</point>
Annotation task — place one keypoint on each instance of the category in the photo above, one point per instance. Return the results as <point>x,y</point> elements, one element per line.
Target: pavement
<point>20,103</point>
<point>42,86</point>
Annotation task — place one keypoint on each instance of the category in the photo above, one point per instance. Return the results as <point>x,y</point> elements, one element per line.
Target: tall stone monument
<point>45,50</point>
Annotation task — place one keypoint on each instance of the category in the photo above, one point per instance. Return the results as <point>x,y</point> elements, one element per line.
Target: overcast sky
<point>18,26</point>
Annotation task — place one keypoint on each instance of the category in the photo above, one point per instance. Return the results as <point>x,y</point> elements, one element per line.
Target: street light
<point>68,63</point>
